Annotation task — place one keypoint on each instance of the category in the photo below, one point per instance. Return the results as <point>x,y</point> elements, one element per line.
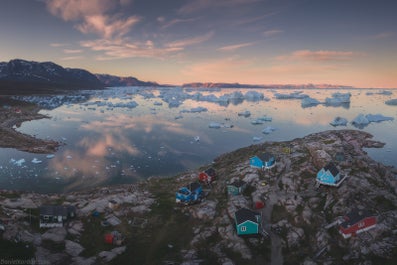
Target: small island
<point>302,221</point>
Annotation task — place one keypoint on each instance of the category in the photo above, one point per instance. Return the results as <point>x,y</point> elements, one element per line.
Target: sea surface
<point>128,134</point>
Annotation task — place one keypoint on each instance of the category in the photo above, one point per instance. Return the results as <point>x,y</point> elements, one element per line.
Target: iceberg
<point>214,125</point>
<point>338,99</point>
<point>50,156</point>
<point>246,113</point>
<point>383,92</point>
<point>256,139</point>
<point>293,95</point>
<point>265,118</point>
<point>339,121</point>
<point>257,122</point>
<point>378,118</point>
<point>268,130</point>
<point>360,121</point>
<point>253,96</point>
<point>36,161</point>
<point>17,162</point>
<point>309,102</point>
<point>391,102</point>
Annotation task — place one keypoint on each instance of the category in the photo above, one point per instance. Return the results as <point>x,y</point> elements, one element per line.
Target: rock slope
<point>299,216</point>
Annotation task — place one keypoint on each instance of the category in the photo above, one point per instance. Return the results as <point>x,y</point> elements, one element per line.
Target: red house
<point>207,176</point>
<point>357,221</point>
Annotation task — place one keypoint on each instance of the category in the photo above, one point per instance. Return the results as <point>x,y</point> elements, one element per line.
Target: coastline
<point>295,215</point>
<point>12,114</point>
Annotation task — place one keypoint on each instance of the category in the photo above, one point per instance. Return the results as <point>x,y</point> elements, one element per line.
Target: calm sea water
<point>109,145</point>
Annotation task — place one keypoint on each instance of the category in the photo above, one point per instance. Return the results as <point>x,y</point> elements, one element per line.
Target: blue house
<point>189,194</point>
<point>263,161</point>
<point>248,223</point>
<point>236,187</point>
<point>329,175</point>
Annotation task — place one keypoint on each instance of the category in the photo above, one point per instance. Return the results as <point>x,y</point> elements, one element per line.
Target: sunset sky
<point>341,42</point>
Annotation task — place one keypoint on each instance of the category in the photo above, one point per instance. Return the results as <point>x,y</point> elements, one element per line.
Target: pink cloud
<point>191,41</point>
<point>235,47</point>
<point>321,55</point>
<point>94,16</point>
<point>270,33</point>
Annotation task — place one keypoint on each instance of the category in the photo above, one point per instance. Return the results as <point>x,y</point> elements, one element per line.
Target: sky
<point>340,42</point>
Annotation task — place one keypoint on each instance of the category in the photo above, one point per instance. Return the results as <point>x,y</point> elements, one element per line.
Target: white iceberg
<point>256,139</point>
<point>338,99</point>
<point>378,118</point>
<point>265,118</point>
<point>36,161</point>
<point>50,156</point>
<point>17,162</point>
<point>253,96</point>
<point>257,122</point>
<point>215,125</point>
<point>309,102</point>
<point>391,102</point>
<point>360,121</point>
<point>245,113</point>
<point>293,95</point>
<point>268,130</point>
<point>339,121</point>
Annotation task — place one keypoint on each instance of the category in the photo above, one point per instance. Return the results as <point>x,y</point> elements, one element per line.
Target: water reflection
<point>106,144</point>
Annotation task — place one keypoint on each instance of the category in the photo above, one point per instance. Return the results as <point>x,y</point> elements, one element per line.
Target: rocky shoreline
<point>297,216</point>
<point>12,114</point>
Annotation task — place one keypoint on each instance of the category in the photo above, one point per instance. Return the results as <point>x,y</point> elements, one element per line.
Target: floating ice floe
<point>338,99</point>
<point>158,103</point>
<point>36,161</point>
<point>215,125</point>
<point>197,138</point>
<point>178,117</point>
<point>17,162</point>
<point>195,110</point>
<point>363,120</point>
<point>378,118</point>
<point>360,121</point>
<point>256,139</point>
<point>265,118</point>
<point>257,122</point>
<point>383,92</point>
<point>253,96</point>
<point>309,102</point>
<point>339,121</point>
<point>293,95</point>
<point>245,113</point>
<point>268,130</point>
<point>391,102</point>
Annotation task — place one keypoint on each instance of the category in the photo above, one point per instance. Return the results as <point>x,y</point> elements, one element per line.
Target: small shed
<point>248,222</point>
<point>236,187</point>
<point>55,215</point>
<point>207,176</point>
<point>263,161</point>
<point>357,221</point>
<point>329,175</point>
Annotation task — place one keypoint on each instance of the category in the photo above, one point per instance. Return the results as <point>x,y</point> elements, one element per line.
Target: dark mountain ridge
<point>20,76</point>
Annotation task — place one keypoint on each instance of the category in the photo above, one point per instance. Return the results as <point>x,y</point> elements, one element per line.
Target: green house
<point>236,187</point>
<point>248,223</point>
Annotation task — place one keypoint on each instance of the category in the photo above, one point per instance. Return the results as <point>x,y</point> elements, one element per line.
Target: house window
<point>243,228</point>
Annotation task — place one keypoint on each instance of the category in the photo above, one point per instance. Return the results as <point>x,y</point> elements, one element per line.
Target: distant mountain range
<point>26,77</point>
<point>29,77</point>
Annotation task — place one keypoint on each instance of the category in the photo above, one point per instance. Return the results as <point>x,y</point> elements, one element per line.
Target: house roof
<point>245,214</point>
<point>193,186</point>
<point>331,168</point>
<point>266,156</point>
<point>57,210</point>
<point>355,216</point>
<point>210,172</point>
<point>238,183</point>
